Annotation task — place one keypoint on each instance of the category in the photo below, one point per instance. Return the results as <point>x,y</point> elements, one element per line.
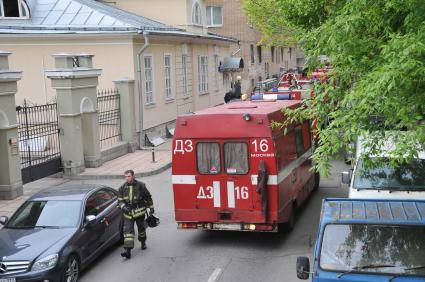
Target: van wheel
<point>316,181</point>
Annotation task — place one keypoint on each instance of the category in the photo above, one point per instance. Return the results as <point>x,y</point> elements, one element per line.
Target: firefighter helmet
<point>152,221</point>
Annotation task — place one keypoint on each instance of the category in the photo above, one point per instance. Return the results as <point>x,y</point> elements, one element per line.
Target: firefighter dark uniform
<point>133,199</point>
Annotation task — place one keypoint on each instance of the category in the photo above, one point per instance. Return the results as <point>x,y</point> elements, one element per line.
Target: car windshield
<point>409,176</point>
<point>374,248</point>
<point>46,214</point>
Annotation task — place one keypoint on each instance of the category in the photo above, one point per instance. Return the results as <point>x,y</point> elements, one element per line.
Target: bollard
<point>153,154</point>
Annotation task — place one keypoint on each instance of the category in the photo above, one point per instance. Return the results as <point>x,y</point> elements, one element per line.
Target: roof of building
<point>86,17</point>
<point>373,211</point>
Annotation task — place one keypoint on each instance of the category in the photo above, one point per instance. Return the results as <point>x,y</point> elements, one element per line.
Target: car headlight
<point>45,263</point>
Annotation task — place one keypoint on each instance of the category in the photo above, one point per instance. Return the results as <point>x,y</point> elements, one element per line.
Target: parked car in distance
<point>368,240</point>
<point>58,232</point>
<point>404,182</point>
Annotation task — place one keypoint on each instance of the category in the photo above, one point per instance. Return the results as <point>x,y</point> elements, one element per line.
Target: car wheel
<point>72,269</point>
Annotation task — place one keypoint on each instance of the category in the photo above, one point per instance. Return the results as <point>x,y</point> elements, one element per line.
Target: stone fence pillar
<point>10,165</point>
<point>75,82</point>
<point>125,88</point>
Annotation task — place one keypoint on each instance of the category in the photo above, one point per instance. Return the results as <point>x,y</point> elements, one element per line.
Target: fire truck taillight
<point>249,227</point>
<point>264,227</point>
<point>259,227</point>
<point>188,225</point>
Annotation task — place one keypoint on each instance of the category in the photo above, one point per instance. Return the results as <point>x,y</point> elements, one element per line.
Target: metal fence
<point>39,145</point>
<point>108,104</point>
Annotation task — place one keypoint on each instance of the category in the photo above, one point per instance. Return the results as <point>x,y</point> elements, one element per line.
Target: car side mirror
<point>3,220</point>
<point>345,177</point>
<point>90,219</point>
<point>303,268</point>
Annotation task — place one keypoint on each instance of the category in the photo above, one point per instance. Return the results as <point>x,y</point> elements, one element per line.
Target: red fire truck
<point>232,171</point>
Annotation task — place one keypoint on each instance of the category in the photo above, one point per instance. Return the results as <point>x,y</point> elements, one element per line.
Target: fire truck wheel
<point>290,224</point>
<point>316,181</point>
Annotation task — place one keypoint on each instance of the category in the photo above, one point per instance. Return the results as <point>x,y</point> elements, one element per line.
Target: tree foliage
<point>377,51</point>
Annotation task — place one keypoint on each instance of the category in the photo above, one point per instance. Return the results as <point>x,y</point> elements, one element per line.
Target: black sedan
<point>58,232</point>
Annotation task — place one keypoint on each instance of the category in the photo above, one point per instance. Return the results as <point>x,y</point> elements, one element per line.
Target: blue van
<point>368,240</point>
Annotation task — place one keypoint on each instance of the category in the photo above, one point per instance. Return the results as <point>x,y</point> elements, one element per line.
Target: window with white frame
<point>184,67</point>
<point>216,72</point>
<point>196,15</point>
<point>214,16</point>
<point>203,74</point>
<point>167,70</point>
<point>14,9</point>
<point>148,79</point>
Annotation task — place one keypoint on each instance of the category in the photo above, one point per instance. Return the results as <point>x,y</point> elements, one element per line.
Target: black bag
<point>152,221</point>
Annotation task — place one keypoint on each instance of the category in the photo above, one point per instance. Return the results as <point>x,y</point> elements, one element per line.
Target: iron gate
<point>108,104</point>
<point>39,144</point>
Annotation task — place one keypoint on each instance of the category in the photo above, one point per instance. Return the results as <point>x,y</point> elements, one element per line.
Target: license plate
<point>226,226</point>
<point>7,279</point>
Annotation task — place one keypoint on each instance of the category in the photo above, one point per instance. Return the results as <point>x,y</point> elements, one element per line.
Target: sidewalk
<point>140,161</point>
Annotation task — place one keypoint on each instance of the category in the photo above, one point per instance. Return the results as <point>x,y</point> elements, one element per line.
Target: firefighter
<point>133,199</point>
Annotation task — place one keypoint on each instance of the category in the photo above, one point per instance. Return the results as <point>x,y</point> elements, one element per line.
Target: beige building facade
<point>189,15</point>
<point>261,62</point>
<point>223,17</point>
<point>175,70</point>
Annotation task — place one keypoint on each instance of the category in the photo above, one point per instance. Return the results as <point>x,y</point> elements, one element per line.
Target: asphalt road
<point>192,255</point>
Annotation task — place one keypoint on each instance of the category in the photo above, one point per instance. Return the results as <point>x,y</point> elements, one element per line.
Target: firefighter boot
<point>143,245</point>
<point>126,253</point>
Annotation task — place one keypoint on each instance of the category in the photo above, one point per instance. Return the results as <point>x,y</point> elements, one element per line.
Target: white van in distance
<point>404,182</point>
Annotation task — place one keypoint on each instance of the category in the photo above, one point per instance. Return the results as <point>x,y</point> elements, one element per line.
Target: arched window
<point>14,9</point>
<point>196,15</point>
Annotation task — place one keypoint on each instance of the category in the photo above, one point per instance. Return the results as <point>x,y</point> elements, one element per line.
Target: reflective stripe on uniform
<point>138,212</point>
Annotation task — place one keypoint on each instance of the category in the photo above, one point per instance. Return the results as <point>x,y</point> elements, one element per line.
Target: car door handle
<point>105,221</point>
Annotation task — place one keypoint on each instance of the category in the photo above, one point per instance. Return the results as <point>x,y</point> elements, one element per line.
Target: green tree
<point>377,51</point>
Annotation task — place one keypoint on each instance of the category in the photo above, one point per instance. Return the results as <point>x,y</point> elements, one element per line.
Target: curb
<point>119,176</point>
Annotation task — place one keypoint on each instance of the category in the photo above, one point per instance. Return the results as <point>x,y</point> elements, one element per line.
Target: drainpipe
<point>239,49</point>
<point>139,84</point>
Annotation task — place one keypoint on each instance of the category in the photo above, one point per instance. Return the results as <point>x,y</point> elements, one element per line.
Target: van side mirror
<point>345,177</point>
<point>3,220</point>
<point>90,219</point>
<point>303,268</point>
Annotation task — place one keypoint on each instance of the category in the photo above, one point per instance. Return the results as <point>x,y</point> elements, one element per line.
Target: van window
<point>299,142</point>
<point>367,248</point>
<point>408,176</point>
<point>208,157</point>
<point>236,158</point>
